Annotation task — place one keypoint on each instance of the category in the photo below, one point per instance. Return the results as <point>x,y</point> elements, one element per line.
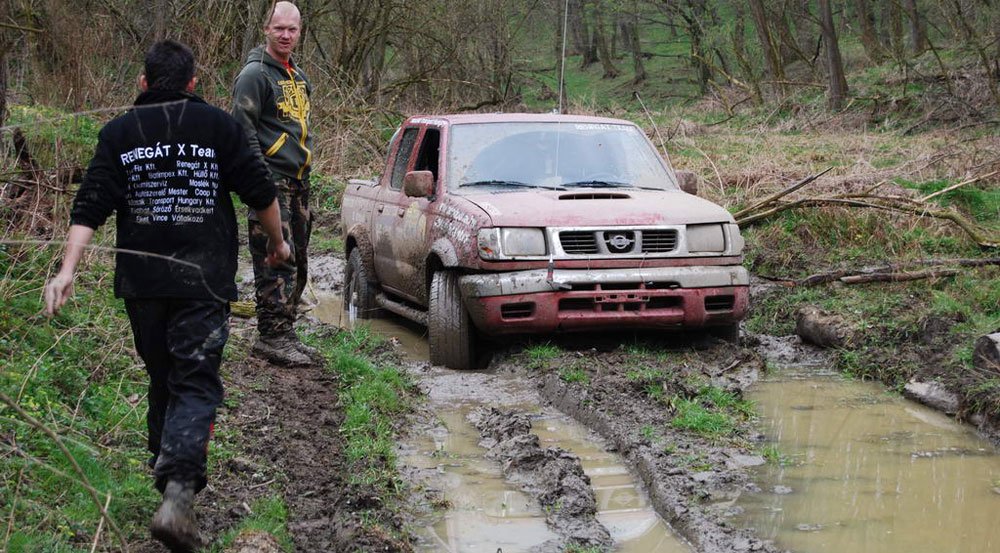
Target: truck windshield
<point>486,156</point>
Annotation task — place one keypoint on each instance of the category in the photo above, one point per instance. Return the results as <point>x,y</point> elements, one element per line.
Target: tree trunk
<point>772,53</point>
<point>601,40</point>
<point>161,15</point>
<point>582,33</point>
<point>918,36</point>
<point>866,29</point>
<point>635,45</point>
<point>892,25</point>
<point>740,51</point>
<point>835,65</point>
<point>3,84</point>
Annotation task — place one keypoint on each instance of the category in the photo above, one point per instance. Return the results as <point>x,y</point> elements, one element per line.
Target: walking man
<point>271,100</point>
<point>166,167</point>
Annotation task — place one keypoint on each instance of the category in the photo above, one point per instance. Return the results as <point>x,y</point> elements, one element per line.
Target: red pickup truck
<point>488,225</point>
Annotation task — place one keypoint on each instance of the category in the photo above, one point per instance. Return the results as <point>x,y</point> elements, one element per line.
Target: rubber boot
<point>174,523</point>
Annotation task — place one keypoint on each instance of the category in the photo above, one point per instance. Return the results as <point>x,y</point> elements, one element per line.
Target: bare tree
<point>835,65</point>
<point>601,41</point>
<point>866,31</point>
<point>769,45</point>
<point>918,35</point>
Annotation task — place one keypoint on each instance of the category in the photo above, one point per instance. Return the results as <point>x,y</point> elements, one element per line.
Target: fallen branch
<point>778,195</point>
<point>888,204</point>
<point>959,185</point>
<point>830,276</point>
<point>898,277</point>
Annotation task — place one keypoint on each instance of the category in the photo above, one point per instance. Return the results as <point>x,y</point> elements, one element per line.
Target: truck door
<point>385,216</point>
<point>403,220</point>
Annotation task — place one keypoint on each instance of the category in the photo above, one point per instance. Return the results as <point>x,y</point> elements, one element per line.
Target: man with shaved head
<point>271,100</point>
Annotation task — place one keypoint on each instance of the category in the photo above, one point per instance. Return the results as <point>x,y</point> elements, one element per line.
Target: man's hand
<point>57,291</point>
<point>277,253</point>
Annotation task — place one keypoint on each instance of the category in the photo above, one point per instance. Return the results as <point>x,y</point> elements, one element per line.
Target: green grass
<point>269,515</point>
<point>713,412</point>
<point>574,375</point>
<point>374,397</point>
<point>75,374</point>
<point>539,355</point>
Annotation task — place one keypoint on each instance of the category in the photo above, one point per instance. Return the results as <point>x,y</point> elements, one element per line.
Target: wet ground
<point>851,467</point>
<point>488,511</point>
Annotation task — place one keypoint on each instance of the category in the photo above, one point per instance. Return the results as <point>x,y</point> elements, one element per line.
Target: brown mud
<point>691,481</point>
<point>552,475</point>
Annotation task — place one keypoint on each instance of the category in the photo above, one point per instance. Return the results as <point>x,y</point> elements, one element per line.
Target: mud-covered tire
<point>359,290</point>
<point>452,336</point>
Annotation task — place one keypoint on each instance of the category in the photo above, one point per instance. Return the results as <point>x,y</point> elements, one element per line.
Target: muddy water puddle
<point>488,514</point>
<point>865,471</point>
<point>409,338</point>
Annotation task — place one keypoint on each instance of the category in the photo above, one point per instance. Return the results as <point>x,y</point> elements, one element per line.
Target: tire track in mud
<point>552,475</point>
<point>681,495</point>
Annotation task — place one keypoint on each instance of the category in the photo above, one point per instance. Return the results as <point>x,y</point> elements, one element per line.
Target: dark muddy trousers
<point>278,289</point>
<point>181,343</point>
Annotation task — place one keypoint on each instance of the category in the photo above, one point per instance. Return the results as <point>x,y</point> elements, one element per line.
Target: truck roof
<point>461,118</point>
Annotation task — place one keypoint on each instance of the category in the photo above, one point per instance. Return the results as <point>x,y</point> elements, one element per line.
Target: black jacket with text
<point>166,168</point>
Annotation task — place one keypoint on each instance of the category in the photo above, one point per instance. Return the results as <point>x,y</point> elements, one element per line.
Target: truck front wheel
<point>359,290</point>
<point>452,334</point>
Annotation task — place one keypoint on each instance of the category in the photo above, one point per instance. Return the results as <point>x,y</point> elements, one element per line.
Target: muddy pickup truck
<point>490,225</point>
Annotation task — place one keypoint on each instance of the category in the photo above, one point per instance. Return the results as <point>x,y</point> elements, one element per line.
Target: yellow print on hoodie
<point>294,102</point>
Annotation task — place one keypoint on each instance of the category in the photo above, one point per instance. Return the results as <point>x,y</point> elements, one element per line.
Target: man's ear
<point>143,83</point>
<point>191,84</point>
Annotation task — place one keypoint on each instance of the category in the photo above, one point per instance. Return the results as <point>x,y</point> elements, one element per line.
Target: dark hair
<point>169,66</point>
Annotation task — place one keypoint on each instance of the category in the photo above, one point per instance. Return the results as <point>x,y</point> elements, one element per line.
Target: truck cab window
<point>402,160</point>
<point>427,159</point>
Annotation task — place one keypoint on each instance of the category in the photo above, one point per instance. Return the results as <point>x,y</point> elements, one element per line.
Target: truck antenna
<point>656,129</point>
<point>562,59</point>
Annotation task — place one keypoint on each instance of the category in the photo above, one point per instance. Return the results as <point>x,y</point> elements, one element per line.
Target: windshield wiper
<point>508,183</point>
<point>599,184</point>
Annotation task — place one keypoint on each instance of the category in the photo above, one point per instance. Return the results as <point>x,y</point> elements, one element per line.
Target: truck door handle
<point>400,212</point>
<point>380,208</point>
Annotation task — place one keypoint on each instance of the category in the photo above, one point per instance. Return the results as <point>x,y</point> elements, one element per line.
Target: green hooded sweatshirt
<point>272,103</point>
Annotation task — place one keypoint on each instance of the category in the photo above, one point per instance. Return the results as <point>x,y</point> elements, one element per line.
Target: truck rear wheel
<point>359,290</point>
<point>452,334</point>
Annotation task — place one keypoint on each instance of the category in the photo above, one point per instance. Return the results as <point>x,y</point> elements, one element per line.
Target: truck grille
<point>659,241</point>
<point>618,241</point>
<point>578,242</point>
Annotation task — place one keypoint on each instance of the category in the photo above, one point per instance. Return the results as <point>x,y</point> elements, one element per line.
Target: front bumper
<point>540,301</point>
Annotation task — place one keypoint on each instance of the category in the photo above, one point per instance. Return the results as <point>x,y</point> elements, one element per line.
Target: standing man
<point>271,100</point>
<point>167,167</point>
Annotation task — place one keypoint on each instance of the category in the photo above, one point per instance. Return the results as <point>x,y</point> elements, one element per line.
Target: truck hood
<point>597,207</point>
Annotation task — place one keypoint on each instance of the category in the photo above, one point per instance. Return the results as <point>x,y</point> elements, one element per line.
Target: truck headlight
<point>736,242</point>
<point>502,243</point>
<point>706,238</point>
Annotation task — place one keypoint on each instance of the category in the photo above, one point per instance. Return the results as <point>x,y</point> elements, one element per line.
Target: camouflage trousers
<point>278,289</point>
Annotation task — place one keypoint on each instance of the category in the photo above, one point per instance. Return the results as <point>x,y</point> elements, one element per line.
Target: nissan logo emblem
<point>619,242</point>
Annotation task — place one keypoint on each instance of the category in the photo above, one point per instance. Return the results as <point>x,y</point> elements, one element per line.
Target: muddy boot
<point>174,523</point>
<point>312,353</point>
<point>282,350</point>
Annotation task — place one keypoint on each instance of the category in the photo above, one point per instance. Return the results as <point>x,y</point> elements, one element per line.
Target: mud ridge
<point>678,494</point>
<point>552,475</point>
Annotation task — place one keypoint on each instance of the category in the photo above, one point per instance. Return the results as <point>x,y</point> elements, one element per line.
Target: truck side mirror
<point>418,184</point>
<point>688,182</point>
